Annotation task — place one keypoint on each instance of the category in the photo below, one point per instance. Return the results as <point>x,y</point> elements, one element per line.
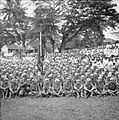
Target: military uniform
<point>23,84</point>
<point>14,88</point>
<point>88,88</point>
<point>67,88</point>
<point>40,84</point>
<point>5,87</point>
<point>57,88</point>
<point>111,86</point>
<point>1,90</point>
<point>77,87</point>
<point>33,87</point>
<point>46,87</point>
<point>100,86</point>
<point>117,80</point>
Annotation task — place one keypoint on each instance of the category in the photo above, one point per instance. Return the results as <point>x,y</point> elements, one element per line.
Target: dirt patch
<point>105,108</point>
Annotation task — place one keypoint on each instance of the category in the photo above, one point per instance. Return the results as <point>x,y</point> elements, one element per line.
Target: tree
<point>15,21</point>
<point>1,34</point>
<point>85,19</point>
<point>6,36</point>
<point>88,18</point>
<point>45,20</point>
<point>44,27</point>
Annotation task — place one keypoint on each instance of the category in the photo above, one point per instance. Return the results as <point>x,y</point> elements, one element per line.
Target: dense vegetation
<point>81,21</point>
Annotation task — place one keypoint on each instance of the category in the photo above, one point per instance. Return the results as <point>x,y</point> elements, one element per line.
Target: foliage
<point>88,19</point>
<point>45,20</point>
<point>81,20</point>
<point>15,20</point>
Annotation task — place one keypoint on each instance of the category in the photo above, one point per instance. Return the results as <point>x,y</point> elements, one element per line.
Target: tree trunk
<point>23,43</point>
<point>53,46</point>
<point>62,47</point>
<point>66,39</point>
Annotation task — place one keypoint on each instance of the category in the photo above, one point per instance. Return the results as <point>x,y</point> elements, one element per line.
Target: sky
<point>31,7</point>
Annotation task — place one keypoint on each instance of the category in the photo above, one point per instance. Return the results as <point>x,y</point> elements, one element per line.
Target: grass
<point>64,108</point>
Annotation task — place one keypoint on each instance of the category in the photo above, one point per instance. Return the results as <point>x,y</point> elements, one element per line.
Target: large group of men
<point>79,73</point>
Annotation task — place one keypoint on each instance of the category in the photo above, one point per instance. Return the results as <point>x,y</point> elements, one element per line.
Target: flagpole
<point>40,44</point>
<point>40,53</point>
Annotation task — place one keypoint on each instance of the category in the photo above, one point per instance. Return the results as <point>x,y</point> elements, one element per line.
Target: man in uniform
<point>24,87</point>
<point>5,83</point>
<point>40,78</point>
<point>34,87</point>
<point>77,87</point>
<point>88,87</point>
<point>111,86</point>
<point>57,88</point>
<point>14,87</point>
<point>46,87</point>
<point>67,87</point>
<point>100,86</point>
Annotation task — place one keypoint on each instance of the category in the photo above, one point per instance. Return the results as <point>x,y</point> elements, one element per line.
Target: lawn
<point>64,108</point>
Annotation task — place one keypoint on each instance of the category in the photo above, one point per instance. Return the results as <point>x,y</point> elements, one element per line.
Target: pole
<point>40,54</point>
<point>40,44</point>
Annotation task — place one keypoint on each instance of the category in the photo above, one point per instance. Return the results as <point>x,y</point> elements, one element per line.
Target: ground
<point>65,108</point>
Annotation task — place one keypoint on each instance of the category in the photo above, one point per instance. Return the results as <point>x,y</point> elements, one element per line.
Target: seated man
<point>57,88</point>
<point>77,87</point>
<point>46,88</point>
<point>111,86</point>
<point>100,87</point>
<point>5,87</point>
<point>67,87</point>
<point>14,87</point>
<point>88,88</point>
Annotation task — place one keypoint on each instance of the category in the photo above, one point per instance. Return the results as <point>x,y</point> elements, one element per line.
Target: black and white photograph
<point>59,59</point>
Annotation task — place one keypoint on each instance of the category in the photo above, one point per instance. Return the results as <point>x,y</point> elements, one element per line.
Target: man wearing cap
<point>5,86</point>
<point>34,89</point>
<point>88,87</point>
<point>24,86</point>
<point>111,86</point>
<point>14,87</point>
<point>40,78</point>
<point>46,87</point>
<point>57,87</point>
<point>67,87</point>
<point>100,86</point>
<point>77,87</point>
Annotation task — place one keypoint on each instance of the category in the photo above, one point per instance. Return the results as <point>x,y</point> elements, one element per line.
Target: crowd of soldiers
<point>76,73</point>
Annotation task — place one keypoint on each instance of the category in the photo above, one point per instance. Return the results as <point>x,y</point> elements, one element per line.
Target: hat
<point>57,80</point>
<point>69,77</point>
<point>91,74</point>
<point>109,74</point>
<point>76,74</point>
<point>116,72</point>
<point>112,78</point>
<point>88,79</point>
<point>95,73</point>
<point>100,77</point>
<point>103,73</point>
<point>46,79</point>
<point>82,76</point>
<point>78,80</point>
<point>50,75</point>
<point>25,70</point>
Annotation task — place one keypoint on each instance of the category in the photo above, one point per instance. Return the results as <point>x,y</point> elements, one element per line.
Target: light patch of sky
<point>30,7</point>
<point>2,3</point>
<point>25,3</point>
